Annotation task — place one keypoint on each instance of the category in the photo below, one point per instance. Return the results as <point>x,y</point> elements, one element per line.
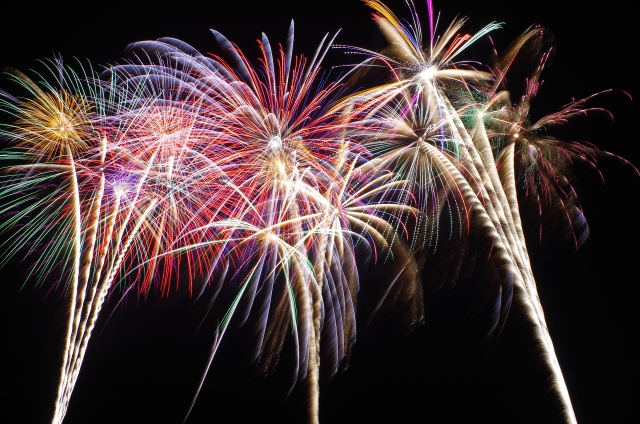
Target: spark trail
<point>272,185</point>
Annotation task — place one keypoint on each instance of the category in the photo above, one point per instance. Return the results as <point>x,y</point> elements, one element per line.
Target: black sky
<point>143,365</point>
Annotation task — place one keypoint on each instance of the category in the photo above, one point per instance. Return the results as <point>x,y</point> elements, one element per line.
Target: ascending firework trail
<point>272,186</point>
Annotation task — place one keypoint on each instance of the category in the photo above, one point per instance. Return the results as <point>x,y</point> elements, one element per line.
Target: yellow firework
<point>52,123</point>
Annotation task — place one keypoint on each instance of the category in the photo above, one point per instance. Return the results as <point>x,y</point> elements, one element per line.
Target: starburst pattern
<point>273,186</point>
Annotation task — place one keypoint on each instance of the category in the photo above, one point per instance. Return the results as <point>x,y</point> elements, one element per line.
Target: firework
<point>443,124</point>
<point>272,186</point>
<point>297,200</point>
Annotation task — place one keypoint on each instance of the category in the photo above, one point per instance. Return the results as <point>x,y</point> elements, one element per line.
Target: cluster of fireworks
<point>273,186</point>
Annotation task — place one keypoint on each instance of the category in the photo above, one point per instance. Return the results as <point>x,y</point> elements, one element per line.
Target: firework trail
<point>206,158</point>
<point>53,133</point>
<point>273,186</point>
<point>297,200</point>
<point>415,125</point>
<point>88,219</point>
<point>109,207</point>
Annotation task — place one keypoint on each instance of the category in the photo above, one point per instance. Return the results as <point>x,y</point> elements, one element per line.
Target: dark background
<point>143,366</point>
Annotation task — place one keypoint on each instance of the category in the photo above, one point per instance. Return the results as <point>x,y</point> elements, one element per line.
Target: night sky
<point>143,364</point>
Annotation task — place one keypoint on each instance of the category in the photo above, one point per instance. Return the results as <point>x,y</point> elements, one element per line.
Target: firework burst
<point>270,186</point>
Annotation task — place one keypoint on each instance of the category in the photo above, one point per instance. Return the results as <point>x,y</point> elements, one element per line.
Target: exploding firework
<point>270,187</point>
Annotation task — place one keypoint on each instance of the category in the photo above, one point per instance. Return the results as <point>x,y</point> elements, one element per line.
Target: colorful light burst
<point>276,185</point>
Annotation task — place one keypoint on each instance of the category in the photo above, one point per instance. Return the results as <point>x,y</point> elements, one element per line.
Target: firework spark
<point>272,186</point>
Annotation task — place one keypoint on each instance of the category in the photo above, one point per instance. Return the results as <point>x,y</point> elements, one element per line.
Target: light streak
<point>259,180</point>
